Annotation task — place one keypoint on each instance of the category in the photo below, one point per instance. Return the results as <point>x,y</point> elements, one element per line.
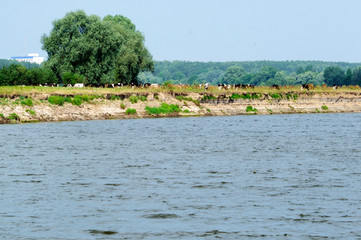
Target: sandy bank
<point>192,104</point>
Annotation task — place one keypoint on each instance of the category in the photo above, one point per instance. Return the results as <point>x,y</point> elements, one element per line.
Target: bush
<point>164,108</point>
<point>133,99</point>
<point>130,111</point>
<point>27,102</point>
<point>122,106</point>
<point>57,100</point>
<point>30,111</point>
<point>235,96</point>
<point>142,98</point>
<point>13,116</point>
<point>251,109</point>
<point>77,100</point>
<point>208,97</point>
<point>276,96</point>
<point>324,107</point>
<point>2,115</point>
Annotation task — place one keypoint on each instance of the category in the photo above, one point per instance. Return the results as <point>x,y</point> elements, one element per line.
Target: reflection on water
<point>242,177</point>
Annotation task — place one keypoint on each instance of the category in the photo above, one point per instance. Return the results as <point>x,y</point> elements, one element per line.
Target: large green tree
<point>334,75</point>
<point>105,50</point>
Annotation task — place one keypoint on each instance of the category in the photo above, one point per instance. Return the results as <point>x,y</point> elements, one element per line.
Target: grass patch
<point>122,106</point>
<point>276,96</point>
<point>142,98</point>
<point>251,109</point>
<point>30,112</point>
<point>2,115</point>
<point>28,102</point>
<point>130,111</point>
<point>208,110</point>
<point>186,111</point>
<point>133,99</point>
<point>56,100</point>
<point>208,97</point>
<point>291,96</point>
<point>13,116</point>
<point>324,107</point>
<point>163,109</point>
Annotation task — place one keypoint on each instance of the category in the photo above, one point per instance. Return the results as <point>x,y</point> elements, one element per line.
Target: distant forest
<point>255,72</point>
<point>262,73</point>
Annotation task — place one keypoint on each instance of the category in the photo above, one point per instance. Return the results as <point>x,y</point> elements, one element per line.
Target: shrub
<point>30,111</point>
<point>251,109</point>
<point>276,96</point>
<point>324,107</point>
<point>27,102</point>
<point>208,97</point>
<point>208,110</point>
<point>13,116</point>
<point>186,111</point>
<point>291,96</point>
<point>77,100</point>
<point>122,106</point>
<point>130,111</point>
<point>133,99</point>
<point>235,96</point>
<point>2,115</point>
<point>164,108</point>
<point>114,97</point>
<point>142,98</point>
<point>57,100</point>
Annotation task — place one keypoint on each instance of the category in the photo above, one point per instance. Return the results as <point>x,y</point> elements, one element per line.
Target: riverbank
<point>95,104</point>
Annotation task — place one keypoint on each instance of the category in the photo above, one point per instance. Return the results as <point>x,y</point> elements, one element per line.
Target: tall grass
<point>163,109</point>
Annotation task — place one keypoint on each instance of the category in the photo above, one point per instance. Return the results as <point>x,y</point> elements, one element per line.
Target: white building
<point>31,58</point>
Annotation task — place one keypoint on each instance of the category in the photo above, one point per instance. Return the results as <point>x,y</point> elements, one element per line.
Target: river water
<point>239,177</point>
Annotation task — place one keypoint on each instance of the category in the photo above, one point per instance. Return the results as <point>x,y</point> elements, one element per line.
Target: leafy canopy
<point>103,51</point>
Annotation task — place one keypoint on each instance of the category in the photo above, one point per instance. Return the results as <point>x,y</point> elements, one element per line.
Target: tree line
<point>263,73</point>
<point>287,73</point>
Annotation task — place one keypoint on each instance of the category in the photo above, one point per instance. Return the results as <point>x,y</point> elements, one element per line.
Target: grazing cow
<point>79,85</point>
<point>307,86</point>
<point>206,86</point>
<point>335,87</point>
<point>147,85</point>
<point>275,86</point>
<point>222,86</point>
<point>155,85</point>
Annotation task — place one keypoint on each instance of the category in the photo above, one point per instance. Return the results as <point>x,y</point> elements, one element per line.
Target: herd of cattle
<point>154,85</point>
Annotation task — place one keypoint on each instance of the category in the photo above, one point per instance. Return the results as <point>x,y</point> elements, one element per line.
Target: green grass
<point>122,106</point>
<point>163,109</point>
<point>13,116</point>
<point>133,99</point>
<point>142,98</point>
<point>276,96</point>
<point>130,111</point>
<point>324,107</point>
<point>28,102</point>
<point>208,97</point>
<point>2,115</point>
<point>56,100</point>
<point>30,112</point>
<point>251,109</point>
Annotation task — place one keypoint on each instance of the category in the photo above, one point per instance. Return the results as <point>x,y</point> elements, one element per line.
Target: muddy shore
<point>192,104</point>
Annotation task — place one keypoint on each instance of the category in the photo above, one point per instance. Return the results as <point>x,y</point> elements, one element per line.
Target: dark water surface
<point>242,177</point>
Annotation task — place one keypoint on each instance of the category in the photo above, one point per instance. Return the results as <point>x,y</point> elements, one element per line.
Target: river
<point>239,177</point>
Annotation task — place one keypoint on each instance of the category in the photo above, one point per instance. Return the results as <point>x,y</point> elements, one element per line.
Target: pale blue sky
<point>205,30</point>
